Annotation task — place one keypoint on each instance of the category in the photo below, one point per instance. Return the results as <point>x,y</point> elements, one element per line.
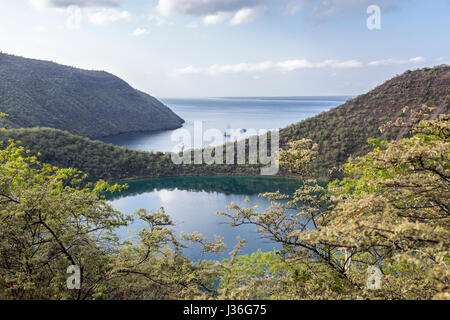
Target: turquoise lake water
<point>193,202</point>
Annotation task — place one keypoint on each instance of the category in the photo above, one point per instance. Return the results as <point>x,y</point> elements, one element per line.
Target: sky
<point>219,48</point>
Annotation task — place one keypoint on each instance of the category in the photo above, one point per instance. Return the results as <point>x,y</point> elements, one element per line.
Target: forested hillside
<point>340,133</point>
<point>38,93</point>
<point>105,161</point>
<point>343,131</point>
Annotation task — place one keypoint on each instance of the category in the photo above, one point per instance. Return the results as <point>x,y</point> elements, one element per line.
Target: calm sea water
<point>228,113</point>
<point>193,203</point>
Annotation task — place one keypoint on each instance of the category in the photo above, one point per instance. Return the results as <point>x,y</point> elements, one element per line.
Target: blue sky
<point>205,48</point>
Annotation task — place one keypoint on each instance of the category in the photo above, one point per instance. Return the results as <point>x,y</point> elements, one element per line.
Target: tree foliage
<point>49,220</point>
<point>391,212</point>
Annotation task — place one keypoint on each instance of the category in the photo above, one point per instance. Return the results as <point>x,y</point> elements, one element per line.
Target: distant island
<point>93,104</point>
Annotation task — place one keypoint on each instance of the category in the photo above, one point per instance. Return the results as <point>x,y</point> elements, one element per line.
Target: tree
<point>47,224</point>
<point>390,213</point>
<point>393,212</point>
<point>51,221</point>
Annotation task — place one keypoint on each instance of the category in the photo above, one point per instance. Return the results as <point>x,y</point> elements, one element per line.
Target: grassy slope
<point>340,133</point>
<point>89,103</point>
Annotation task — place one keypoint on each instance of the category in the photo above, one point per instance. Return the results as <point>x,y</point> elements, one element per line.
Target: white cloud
<point>417,60</point>
<point>139,32</point>
<point>388,62</point>
<point>204,7</point>
<point>216,18</point>
<point>283,66</point>
<point>40,4</point>
<point>215,11</point>
<point>343,64</point>
<point>239,68</point>
<point>246,15</point>
<point>108,15</point>
<point>288,66</point>
<point>317,9</point>
<point>291,65</point>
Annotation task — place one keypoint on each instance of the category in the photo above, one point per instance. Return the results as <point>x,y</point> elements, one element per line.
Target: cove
<point>221,113</point>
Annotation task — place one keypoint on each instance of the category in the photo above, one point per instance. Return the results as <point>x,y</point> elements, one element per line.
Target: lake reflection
<point>193,202</point>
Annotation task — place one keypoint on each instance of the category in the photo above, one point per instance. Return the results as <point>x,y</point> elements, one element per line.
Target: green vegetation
<point>391,212</point>
<point>108,162</point>
<point>38,93</point>
<point>344,131</point>
<point>340,133</point>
